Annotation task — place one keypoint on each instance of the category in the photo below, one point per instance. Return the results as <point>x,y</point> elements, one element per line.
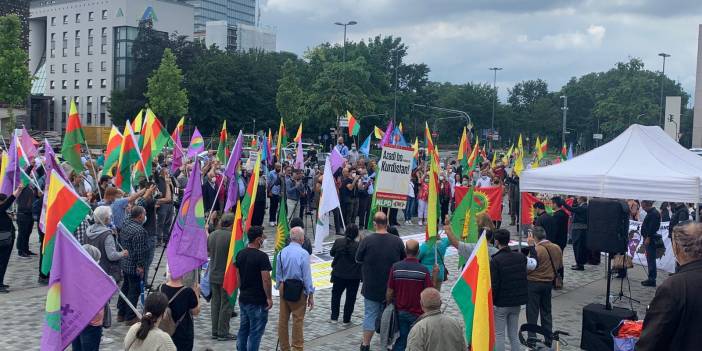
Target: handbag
<point>292,288</point>
<point>6,238</point>
<point>446,272</point>
<point>622,261</point>
<point>557,278</point>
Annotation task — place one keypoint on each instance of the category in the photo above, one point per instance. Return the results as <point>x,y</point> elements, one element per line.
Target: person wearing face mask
<point>444,195</point>
<point>133,239</point>
<point>102,236</point>
<point>422,198</point>
<point>676,310</point>
<point>341,147</point>
<point>353,154</point>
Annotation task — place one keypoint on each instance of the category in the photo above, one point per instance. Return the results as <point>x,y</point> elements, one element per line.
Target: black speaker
<point>598,323</point>
<point>607,225</point>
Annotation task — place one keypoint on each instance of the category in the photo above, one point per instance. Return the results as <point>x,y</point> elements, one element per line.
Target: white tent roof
<point>641,163</point>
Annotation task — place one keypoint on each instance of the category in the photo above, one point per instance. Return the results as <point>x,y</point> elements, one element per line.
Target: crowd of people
<point>125,229</point>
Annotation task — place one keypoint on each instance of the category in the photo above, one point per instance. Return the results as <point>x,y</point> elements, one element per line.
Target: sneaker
<point>227,337</point>
<point>4,286</point>
<point>31,253</point>
<point>4,290</point>
<point>24,256</point>
<point>577,267</point>
<point>106,340</point>
<point>332,321</point>
<point>651,283</point>
<point>271,224</point>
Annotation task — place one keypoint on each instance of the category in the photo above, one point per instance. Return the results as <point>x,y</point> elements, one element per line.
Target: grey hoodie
<point>110,256</point>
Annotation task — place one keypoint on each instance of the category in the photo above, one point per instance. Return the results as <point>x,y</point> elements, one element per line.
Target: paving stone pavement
<point>22,309</point>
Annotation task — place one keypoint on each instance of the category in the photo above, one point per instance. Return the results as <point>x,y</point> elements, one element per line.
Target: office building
<point>231,11</point>
<point>81,49</point>
<point>239,37</point>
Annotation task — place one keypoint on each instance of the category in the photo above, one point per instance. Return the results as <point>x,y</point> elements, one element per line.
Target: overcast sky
<point>548,39</point>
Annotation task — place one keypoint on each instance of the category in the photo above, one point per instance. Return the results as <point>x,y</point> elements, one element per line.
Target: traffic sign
<point>597,136</point>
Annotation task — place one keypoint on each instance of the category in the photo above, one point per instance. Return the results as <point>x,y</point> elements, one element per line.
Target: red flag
<point>488,199</point>
<point>527,208</point>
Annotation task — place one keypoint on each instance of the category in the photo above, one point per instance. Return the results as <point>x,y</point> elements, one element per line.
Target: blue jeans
<point>410,208</point>
<point>88,339</point>
<point>370,313</point>
<point>406,320</point>
<point>253,322</point>
<point>651,260</point>
<point>150,248</point>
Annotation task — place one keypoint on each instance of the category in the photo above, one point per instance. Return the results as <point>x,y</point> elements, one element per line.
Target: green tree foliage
<point>167,98</point>
<point>21,9</point>
<point>14,74</point>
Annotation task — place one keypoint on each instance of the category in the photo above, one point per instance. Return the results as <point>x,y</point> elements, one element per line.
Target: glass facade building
<point>232,11</point>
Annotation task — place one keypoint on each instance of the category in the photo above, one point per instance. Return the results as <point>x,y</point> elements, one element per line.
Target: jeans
<point>651,260</point>
<point>370,313</point>
<point>221,310</point>
<point>579,246</point>
<point>406,320</point>
<point>88,339</point>
<point>351,287</point>
<point>5,253</point>
<point>507,317</point>
<point>253,322</point>
<point>273,210</point>
<point>164,220</point>
<point>409,208</point>
<point>539,303</point>
<point>151,247</point>
<point>131,289</point>
<point>25,223</point>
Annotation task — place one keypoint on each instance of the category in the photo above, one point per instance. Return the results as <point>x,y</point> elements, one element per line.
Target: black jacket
<point>344,265</point>
<point>680,214</point>
<point>547,222</point>
<point>560,233</point>
<point>675,313</point>
<point>579,212</point>
<point>509,278</point>
<point>6,224</point>
<point>651,223</point>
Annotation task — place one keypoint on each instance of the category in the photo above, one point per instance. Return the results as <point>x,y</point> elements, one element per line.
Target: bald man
<point>376,254</point>
<point>408,278</point>
<point>433,330</point>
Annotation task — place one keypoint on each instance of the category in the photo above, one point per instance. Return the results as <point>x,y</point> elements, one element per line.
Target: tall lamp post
<point>494,102</point>
<point>663,55</point>
<point>349,23</point>
<point>565,111</point>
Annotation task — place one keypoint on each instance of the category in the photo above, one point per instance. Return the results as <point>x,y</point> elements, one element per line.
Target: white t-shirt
<point>410,189</point>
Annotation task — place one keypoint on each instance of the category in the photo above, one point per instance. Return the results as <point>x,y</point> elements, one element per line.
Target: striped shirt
<point>407,280</point>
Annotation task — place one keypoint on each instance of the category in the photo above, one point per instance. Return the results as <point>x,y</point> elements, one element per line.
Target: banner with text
<point>395,167</point>
<point>665,259</point>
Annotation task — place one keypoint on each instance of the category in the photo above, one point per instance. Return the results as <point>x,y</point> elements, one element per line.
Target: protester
<point>466,249</point>
<point>431,254</point>
<point>434,330</point>
<point>411,198</point>
<point>218,249</point>
<point>298,222</point>
<point>293,191</point>
<point>675,312</point>
<point>561,219</point>
<point>579,231</point>
<point>508,272</point>
<point>89,338</point>
<point>422,198</point>
<point>274,185</point>
<point>649,231</point>
<point>364,197</point>
<point>680,214</point>
<point>114,198</point>
<point>540,281</point>
<point>346,273</point>
<point>25,221</point>
<point>348,194</point>
<point>408,278</point>
<point>7,235</point>
<point>341,147</point>
<point>444,195</point>
<point>184,304</point>
<point>259,208</point>
<point>353,154</point>
<point>148,202</point>
<point>376,253</point>
<point>255,299</point>
<point>145,335</point>
<point>101,236</point>
<point>133,239</point>
<point>665,211</point>
<point>293,273</point>
<point>164,210</point>
<point>545,221</point>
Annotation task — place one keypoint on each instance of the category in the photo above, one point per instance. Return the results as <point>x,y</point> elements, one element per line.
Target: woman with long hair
<point>145,335</point>
<point>346,273</point>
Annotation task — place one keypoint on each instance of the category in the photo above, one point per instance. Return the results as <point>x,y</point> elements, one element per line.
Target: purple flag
<point>177,154</point>
<point>11,176</point>
<point>28,146</point>
<point>337,161</point>
<point>268,151</point>
<point>299,157</point>
<point>78,290</point>
<point>388,135</point>
<point>231,173</point>
<point>197,144</point>
<point>187,249</point>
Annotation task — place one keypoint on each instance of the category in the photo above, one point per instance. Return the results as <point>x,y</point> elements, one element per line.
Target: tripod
<point>620,296</point>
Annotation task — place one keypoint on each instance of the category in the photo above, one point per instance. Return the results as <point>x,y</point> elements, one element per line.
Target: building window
<point>104,35</point>
<point>103,49</point>
<point>77,17</point>
<point>52,69</point>
<point>77,51</point>
<point>53,53</point>
<point>77,39</point>
<point>103,103</point>
<point>90,50</point>
<point>103,83</point>
<point>76,67</point>
<point>53,21</point>
<point>104,14</point>
<point>91,16</point>
<point>52,84</point>
<point>65,52</point>
<point>76,84</point>
<point>53,41</point>
<point>63,109</point>
<point>103,66</point>
<point>65,19</point>
<point>90,66</point>
<point>90,83</point>
<point>64,84</point>
<point>64,68</point>
<point>65,39</point>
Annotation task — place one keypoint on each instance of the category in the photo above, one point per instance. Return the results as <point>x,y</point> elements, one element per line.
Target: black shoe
<point>227,337</point>
<point>234,314</point>
<point>4,286</point>
<point>30,253</point>
<point>365,347</point>
<point>651,283</point>
<point>23,256</point>
<point>214,336</point>
<point>577,267</point>
<point>4,290</point>
<point>43,281</point>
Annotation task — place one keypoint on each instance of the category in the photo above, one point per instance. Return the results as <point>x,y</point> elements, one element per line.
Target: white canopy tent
<point>641,163</point>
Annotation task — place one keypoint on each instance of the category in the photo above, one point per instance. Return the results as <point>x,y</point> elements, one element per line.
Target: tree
<point>21,9</point>
<point>14,74</point>
<point>166,96</point>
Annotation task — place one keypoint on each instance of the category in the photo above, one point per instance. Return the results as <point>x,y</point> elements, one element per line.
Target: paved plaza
<point>22,309</point>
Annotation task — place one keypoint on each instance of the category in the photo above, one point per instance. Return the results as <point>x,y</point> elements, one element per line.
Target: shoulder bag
<point>292,288</point>
<point>557,278</point>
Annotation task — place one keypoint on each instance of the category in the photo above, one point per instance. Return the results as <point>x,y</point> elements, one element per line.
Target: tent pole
<point>519,219</point>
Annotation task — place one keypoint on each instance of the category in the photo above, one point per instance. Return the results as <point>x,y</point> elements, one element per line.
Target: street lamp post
<point>565,111</point>
<point>349,23</point>
<point>494,102</point>
<point>663,55</point>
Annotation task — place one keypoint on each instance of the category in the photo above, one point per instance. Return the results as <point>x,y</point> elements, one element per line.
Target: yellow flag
<point>519,161</point>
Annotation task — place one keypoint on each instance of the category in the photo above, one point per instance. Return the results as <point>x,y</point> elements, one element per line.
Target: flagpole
<point>129,303</point>
<point>97,181</point>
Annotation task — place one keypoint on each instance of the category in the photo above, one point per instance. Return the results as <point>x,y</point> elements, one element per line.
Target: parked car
<point>697,151</point>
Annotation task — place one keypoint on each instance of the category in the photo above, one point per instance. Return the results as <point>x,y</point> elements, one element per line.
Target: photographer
<point>293,189</point>
<point>274,183</point>
<point>348,194</point>
<point>164,205</point>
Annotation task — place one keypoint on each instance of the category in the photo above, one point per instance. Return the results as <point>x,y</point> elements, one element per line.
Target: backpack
<point>168,324</point>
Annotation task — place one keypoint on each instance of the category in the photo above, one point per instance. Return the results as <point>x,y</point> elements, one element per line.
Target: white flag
<point>328,201</point>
